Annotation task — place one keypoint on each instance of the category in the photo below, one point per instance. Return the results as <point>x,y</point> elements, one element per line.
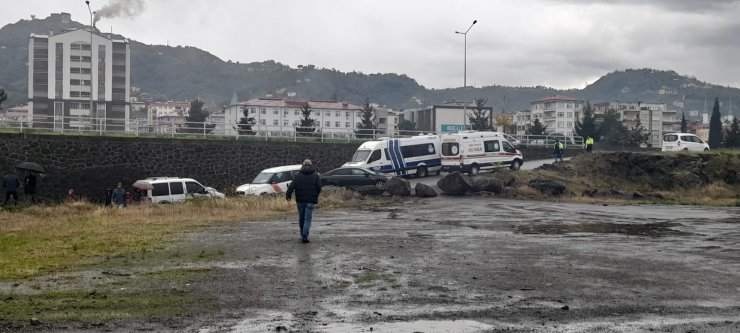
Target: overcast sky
<point>557,43</point>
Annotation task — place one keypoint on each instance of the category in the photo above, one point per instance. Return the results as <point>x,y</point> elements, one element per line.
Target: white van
<point>176,190</point>
<point>472,151</point>
<point>270,181</point>
<point>683,142</point>
<point>418,155</point>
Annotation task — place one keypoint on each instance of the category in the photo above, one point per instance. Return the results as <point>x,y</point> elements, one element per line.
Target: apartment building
<point>653,117</point>
<point>79,79</point>
<point>447,117</point>
<point>558,113</point>
<point>386,121</point>
<point>276,116</point>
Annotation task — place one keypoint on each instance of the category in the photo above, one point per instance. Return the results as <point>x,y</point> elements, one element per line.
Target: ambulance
<point>471,152</point>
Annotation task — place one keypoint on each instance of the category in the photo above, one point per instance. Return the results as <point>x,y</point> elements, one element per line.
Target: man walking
<point>558,151</point>
<point>589,144</point>
<point>10,185</point>
<point>307,187</point>
<point>29,187</point>
<point>119,196</point>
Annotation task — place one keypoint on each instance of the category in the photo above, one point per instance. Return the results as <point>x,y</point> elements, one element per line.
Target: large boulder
<point>424,191</point>
<point>369,190</point>
<point>398,186</point>
<point>547,186</point>
<point>485,184</point>
<point>455,183</point>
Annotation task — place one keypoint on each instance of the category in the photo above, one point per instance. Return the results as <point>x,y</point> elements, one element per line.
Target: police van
<point>471,151</point>
<point>417,155</point>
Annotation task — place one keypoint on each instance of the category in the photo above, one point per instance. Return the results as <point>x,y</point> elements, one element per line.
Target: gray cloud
<point>671,5</point>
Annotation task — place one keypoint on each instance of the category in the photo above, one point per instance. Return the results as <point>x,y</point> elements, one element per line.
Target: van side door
<point>177,191</point>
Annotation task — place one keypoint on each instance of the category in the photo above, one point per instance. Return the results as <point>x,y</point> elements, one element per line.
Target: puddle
<point>422,326</point>
<point>655,230</point>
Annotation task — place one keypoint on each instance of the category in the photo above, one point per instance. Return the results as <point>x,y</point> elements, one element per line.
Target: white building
<point>558,113</point>
<point>523,121</point>
<point>79,79</point>
<point>653,117</point>
<point>447,117</point>
<point>386,121</point>
<point>279,117</point>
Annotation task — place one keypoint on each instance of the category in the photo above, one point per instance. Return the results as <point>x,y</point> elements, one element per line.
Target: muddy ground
<point>468,265</point>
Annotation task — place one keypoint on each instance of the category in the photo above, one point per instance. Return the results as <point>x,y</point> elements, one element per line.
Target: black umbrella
<point>30,166</point>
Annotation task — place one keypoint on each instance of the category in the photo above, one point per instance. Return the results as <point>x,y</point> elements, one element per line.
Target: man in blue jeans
<point>307,187</point>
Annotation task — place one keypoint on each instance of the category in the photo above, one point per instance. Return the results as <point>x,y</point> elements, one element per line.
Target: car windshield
<point>361,155</point>
<point>263,178</point>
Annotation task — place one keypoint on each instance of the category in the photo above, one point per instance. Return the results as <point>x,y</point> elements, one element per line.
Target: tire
<point>380,185</point>
<point>421,172</point>
<point>474,170</point>
<point>516,165</point>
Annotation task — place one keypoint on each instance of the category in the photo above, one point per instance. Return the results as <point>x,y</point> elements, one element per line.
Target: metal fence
<point>231,131</point>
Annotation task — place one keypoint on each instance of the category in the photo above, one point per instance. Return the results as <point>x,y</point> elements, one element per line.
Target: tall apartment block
<point>79,79</point>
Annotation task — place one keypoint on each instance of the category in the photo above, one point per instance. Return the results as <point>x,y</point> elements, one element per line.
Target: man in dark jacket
<point>307,187</point>
<point>11,183</point>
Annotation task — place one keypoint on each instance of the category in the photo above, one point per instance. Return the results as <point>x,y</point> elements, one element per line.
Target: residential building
<point>523,121</point>
<point>386,121</point>
<point>558,113</point>
<point>653,117</point>
<point>280,117</point>
<point>447,117</point>
<point>79,79</point>
<point>165,117</point>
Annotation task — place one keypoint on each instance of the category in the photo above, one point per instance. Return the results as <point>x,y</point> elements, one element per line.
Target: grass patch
<point>93,305</point>
<point>42,239</point>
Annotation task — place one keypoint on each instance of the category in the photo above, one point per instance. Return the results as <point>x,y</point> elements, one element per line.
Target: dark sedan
<point>351,177</point>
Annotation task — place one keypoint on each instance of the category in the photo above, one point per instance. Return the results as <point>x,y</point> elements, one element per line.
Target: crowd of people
<point>117,197</point>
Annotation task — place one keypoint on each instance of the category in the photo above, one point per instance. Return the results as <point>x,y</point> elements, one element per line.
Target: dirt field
<point>466,265</point>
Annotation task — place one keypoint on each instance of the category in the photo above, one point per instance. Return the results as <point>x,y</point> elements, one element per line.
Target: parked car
<point>176,190</point>
<point>683,142</point>
<point>270,181</point>
<point>354,176</point>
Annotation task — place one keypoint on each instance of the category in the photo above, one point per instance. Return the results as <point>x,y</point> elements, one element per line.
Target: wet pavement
<point>478,265</point>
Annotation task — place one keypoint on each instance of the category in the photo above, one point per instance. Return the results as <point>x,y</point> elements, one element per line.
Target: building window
<point>346,114</point>
<point>263,111</point>
<point>328,124</point>
<point>338,114</point>
<point>318,113</point>
<point>263,121</point>
<point>346,124</point>
<point>275,122</point>
<point>297,113</point>
<point>337,124</point>
<point>560,124</point>
<point>252,110</point>
<point>569,114</point>
<point>275,112</point>
<point>561,114</point>
<point>570,125</point>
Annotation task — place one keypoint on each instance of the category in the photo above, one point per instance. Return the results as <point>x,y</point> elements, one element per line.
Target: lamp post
<point>92,113</point>
<point>465,73</point>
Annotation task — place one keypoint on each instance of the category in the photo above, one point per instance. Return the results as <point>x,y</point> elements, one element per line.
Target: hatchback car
<point>353,176</point>
<point>683,142</point>
<point>270,181</point>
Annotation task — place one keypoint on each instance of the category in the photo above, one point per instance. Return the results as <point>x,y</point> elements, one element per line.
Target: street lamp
<point>465,74</point>
<point>92,113</point>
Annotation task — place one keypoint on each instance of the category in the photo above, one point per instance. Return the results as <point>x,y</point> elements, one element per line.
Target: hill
<point>185,73</point>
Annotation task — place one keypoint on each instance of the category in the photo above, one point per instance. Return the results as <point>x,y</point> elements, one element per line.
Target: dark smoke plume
<point>120,8</point>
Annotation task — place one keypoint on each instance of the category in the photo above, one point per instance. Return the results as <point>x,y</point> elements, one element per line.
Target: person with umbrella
<point>10,185</point>
<point>29,186</point>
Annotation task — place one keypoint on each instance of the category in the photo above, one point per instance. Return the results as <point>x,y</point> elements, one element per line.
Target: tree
<point>715,126</point>
<point>195,122</point>
<point>244,126</point>
<point>406,125</point>
<point>637,135</point>
<point>3,98</point>
<point>733,134</point>
<point>308,125</point>
<point>478,118</point>
<point>366,128</point>
<point>684,124</point>
<point>505,123</point>
<point>587,127</point>
<point>612,131</point>
<point>537,128</point>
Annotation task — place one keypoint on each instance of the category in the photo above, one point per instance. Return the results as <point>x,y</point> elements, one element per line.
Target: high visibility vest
<point>590,141</point>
